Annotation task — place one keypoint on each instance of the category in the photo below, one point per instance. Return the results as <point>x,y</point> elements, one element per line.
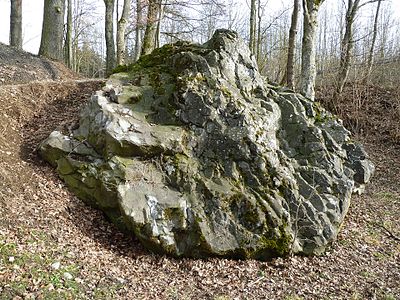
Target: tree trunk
<point>347,45</point>
<point>259,38</point>
<point>68,39</point>
<point>16,24</point>
<point>370,60</point>
<point>292,46</point>
<point>160,16</point>
<point>52,30</point>
<point>149,39</point>
<point>253,22</point>
<point>121,28</point>
<point>308,68</point>
<point>109,34</point>
<point>138,30</point>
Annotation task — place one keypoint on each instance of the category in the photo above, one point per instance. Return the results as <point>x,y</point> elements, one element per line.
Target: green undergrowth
<point>28,271</point>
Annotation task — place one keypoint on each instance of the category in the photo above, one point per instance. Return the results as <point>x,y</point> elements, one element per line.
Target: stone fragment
<point>67,276</point>
<point>56,265</point>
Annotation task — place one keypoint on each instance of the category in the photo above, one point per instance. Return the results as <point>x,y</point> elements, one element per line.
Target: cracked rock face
<point>192,151</point>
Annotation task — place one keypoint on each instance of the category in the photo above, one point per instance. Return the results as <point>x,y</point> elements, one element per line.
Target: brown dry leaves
<point>46,223</point>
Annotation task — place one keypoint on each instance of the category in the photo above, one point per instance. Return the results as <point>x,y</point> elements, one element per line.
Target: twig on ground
<point>390,234</point>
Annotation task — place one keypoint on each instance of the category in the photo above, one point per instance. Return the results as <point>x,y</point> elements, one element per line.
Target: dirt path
<point>42,224</point>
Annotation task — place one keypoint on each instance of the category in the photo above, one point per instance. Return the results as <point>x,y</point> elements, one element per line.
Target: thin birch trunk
<point>121,29</point>
<point>138,29</point>
<point>308,68</point>
<point>347,45</point>
<point>292,45</point>
<point>160,16</point>
<point>68,39</point>
<point>259,38</point>
<point>253,22</point>
<point>374,35</point>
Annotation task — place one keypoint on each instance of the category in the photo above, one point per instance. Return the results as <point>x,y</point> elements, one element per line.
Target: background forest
<point>356,33</point>
<point>301,44</point>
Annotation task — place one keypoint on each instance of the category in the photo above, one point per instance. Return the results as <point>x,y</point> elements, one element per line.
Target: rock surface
<point>192,151</point>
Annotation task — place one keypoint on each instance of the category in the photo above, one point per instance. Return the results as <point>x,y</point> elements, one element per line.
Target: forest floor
<point>53,246</point>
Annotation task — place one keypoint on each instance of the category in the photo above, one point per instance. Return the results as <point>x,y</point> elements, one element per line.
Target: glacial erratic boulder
<point>192,151</point>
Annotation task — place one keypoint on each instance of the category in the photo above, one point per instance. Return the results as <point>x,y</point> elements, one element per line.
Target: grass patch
<point>293,297</point>
<point>26,271</point>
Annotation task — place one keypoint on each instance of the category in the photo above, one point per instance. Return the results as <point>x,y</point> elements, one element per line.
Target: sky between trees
<point>33,15</point>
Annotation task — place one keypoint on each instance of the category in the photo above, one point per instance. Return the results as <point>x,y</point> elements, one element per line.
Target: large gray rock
<point>197,156</point>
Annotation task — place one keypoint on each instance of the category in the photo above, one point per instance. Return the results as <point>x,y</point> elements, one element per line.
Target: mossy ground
<point>27,271</point>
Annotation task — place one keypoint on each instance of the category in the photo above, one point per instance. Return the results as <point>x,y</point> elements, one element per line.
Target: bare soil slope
<point>52,246</point>
<point>18,66</point>
<point>370,111</point>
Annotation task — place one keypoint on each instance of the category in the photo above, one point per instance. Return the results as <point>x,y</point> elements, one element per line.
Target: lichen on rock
<point>192,151</point>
